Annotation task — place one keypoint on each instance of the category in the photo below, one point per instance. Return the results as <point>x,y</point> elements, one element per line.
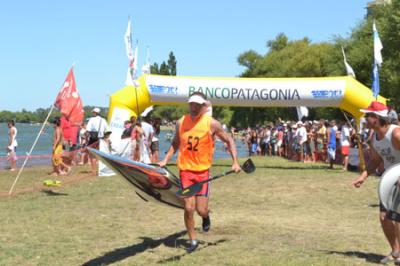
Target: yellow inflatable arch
<point>345,93</point>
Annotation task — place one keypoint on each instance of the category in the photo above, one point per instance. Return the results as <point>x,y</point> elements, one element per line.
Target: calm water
<point>41,153</point>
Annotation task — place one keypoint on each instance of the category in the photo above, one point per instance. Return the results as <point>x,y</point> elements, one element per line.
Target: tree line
<point>40,114</point>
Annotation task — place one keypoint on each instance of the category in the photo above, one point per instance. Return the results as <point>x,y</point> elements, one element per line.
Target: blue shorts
<point>254,147</point>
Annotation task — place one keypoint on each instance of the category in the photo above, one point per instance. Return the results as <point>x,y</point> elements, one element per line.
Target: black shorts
<point>154,146</point>
<point>391,215</point>
<point>382,208</point>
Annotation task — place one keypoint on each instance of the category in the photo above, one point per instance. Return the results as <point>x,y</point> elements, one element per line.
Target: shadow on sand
<point>294,167</point>
<point>369,257</point>
<point>173,241</point>
<point>50,192</point>
<point>203,245</point>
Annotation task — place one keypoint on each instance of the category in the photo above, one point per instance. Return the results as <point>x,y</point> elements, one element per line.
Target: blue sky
<point>41,39</point>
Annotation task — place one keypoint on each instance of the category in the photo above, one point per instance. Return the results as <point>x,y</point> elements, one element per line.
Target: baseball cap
<point>196,99</point>
<point>96,110</point>
<point>377,108</point>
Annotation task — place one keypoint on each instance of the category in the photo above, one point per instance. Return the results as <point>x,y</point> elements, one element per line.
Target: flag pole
<point>134,83</point>
<point>30,151</point>
<point>132,60</point>
<point>33,146</point>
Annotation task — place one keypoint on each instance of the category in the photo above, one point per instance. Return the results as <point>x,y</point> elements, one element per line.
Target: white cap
<point>300,123</point>
<point>96,110</point>
<point>196,99</point>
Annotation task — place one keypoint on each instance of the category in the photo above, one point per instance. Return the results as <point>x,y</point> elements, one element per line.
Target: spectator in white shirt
<point>345,143</point>
<point>301,138</point>
<point>96,127</point>
<point>148,133</point>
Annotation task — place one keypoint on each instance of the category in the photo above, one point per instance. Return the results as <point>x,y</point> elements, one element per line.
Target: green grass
<point>286,213</point>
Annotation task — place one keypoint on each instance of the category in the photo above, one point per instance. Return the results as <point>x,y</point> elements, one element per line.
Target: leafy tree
<point>164,70</point>
<point>154,69</point>
<point>169,113</point>
<point>279,43</point>
<point>172,64</point>
<point>249,60</point>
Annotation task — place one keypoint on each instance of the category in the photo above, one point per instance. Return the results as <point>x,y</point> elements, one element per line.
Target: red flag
<point>69,102</point>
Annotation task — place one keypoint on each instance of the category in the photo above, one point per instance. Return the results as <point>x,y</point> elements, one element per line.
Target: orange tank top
<point>196,144</point>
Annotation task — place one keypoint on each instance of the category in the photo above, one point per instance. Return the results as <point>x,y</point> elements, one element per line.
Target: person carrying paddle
<point>385,147</point>
<point>194,137</point>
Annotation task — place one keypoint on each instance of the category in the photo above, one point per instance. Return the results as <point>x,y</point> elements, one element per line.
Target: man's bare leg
<point>203,210</point>
<point>190,204</point>
<point>93,164</point>
<point>391,232</point>
<point>202,206</point>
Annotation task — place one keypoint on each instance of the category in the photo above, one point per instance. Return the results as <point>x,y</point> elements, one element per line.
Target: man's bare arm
<point>217,129</point>
<point>374,162</point>
<point>396,138</point>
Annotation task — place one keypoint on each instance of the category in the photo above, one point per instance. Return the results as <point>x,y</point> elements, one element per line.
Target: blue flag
<point>375,81</point>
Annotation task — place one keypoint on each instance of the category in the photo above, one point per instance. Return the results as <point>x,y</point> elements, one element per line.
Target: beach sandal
<point>52,183</point>
<point>393,256</point>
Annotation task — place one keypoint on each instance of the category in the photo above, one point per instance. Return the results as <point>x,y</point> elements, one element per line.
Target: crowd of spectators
<point>309,141</point>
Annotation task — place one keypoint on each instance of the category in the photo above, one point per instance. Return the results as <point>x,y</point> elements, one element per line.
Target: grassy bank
<point>285,213</point>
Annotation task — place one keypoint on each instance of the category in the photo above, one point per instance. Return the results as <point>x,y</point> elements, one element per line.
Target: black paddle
<point>248,167</point>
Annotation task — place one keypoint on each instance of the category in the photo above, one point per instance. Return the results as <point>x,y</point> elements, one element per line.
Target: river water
<point>27,134</point>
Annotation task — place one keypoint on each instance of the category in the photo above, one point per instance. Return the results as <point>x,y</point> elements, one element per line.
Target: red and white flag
<point>69,102</point>
<point>132,56</point>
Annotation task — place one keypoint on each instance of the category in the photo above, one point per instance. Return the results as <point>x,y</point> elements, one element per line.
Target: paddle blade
<point>190,191</point>
<point>248,166</point>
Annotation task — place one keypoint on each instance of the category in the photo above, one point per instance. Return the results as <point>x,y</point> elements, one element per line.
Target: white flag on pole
<point>129,80</point>
<point>349,69</point>
<point>302,111</point>
<point>146,67</point>
<point>135,60</point>
<point>128,41</point>
<point>377,46</point>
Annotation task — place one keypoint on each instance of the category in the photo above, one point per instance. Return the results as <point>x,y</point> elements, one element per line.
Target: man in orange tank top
<point>194,138</point>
